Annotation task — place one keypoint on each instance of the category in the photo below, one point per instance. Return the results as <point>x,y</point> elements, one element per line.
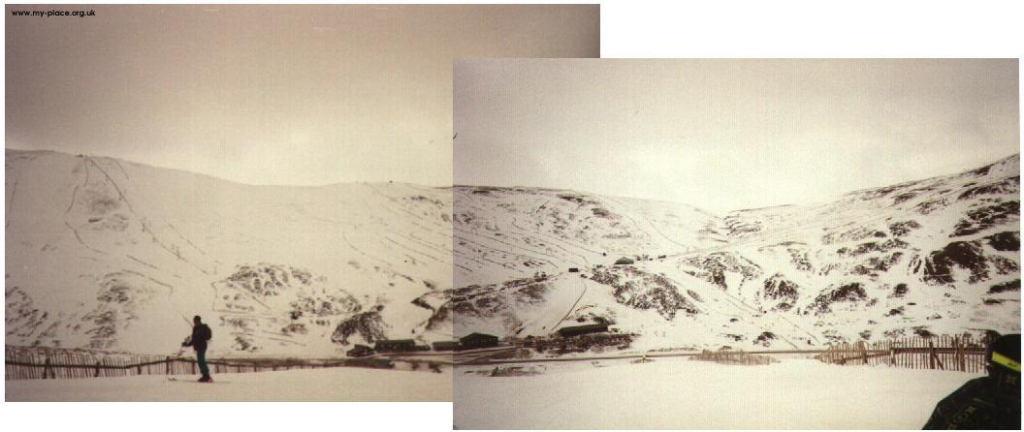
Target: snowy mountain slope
<point>939,255</point>
<point>508,233</point>
<point>107,254</point>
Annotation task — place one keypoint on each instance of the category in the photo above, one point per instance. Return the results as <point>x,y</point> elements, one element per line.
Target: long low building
<point>446,345</point>
<point>395,345</point>
<point>582,330</point>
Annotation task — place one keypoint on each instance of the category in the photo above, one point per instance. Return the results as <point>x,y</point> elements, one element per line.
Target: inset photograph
<point>240,203</point>
<point>737,244</point>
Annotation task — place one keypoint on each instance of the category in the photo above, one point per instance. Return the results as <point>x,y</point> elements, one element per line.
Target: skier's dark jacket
<point>201,333</point>
<point>979,404</point>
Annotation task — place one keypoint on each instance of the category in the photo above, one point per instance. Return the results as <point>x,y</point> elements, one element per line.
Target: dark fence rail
<point>954,353</point>
<point>34,363</point>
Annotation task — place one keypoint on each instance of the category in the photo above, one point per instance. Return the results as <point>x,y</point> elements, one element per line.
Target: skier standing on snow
<point>991,402</point>
<point>201,334</point>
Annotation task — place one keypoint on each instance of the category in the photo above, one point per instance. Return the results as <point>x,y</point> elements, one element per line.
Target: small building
<point>624,261</point>
<point>446,345</point>
<point>395,345</point>
<point>478,340</point>
<point>582,330</point>
<point>574,270</point>
<point>661,257</point>
<point>360,351</point>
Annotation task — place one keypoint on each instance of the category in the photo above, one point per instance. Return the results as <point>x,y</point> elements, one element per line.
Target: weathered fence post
<point>962,357</point>
<point>931,355</point>
<point>96,373</point>
<point>46,368</point>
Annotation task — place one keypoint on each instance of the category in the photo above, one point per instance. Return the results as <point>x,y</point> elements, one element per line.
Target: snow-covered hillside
<point>937,256</point>
<point>106,254</point>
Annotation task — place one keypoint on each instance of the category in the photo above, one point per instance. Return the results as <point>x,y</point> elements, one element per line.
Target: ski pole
<point>184,318</point>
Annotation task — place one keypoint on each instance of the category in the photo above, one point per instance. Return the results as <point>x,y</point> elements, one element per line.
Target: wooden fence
<point>31,363</point>
<point>733,357</point>
<point>953,353</point>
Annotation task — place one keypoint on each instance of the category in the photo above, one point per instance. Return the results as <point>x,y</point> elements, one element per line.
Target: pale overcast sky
<point>297,95</point>
<point>729,134</point>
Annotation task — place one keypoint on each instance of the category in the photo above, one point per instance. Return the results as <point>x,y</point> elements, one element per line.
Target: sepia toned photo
<point>240,203</point>
<point>737,244</point>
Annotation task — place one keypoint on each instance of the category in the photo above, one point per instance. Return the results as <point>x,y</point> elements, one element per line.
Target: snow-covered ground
<point>324,385</point>
<point>682,394</point>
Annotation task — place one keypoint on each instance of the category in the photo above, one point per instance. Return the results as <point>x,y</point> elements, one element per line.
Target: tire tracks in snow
<point>71,205</point>
<point>142,220</point>
<point>573,307</point>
